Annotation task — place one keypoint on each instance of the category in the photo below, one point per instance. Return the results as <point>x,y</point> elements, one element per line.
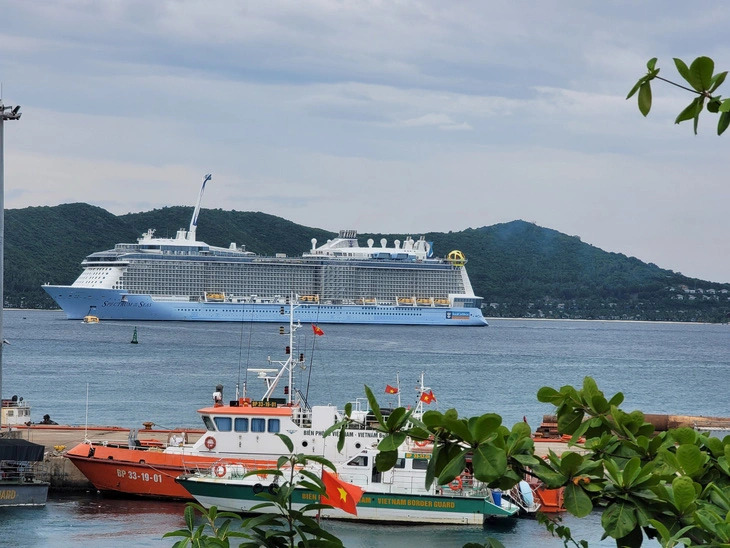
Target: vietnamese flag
<point>317,330</point>
<point>390,389</point>
<point>428,397</point>
<point>340,494</point>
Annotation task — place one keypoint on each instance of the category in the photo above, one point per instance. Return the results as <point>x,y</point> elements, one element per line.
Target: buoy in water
<point>134,337</point>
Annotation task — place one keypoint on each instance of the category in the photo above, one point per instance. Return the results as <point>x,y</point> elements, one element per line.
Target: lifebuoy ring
<point>456,484</point>
<point>220,470</point>
<point>210,442</point>
<point>421,443</point>
<point>258,488</point>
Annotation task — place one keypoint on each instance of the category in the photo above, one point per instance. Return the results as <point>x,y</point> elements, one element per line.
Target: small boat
<point>423,301</point>
<point>398,495</point>
<point>90,319</point>
<point>405,301</point>
<point>18,472</point>
<point>441,302</point>
<point>211,297</point>
<point>14,411</point>
<point>134,337</point>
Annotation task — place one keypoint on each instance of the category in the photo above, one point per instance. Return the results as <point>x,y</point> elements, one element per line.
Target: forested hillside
<point>521,269</point>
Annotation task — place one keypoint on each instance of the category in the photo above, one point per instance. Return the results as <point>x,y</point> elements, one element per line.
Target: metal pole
<point>6,113</point>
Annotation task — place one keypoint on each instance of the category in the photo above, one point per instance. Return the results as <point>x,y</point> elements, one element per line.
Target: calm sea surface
<point>53,363</point>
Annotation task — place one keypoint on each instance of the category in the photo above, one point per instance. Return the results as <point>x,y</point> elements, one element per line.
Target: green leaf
<point>723,122</point>
<point>489,462</point>
<point>569,422</point>
<point>684,493</point>
<point>645,98</point>
<point>691,459</point>
<point>577,502</point>
<point>385,460</point>
<point>651,64</point>
<point>483,427</point>
<point>570,462</point>
<point>631,471</point>
<point>396,417</point>
<point>689,111</point>
<point>374,407</point>
<point>687,75</point>
<point>392,442</point>
<point>287,441</point>
<point>702,69</point>
<point>453,468</point>
<point>619,519</point>
<point>547,394</point>
<point>634,89</point>
<point>717,80</point>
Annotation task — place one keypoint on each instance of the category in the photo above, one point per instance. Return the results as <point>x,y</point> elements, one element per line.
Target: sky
<point>397,116</point>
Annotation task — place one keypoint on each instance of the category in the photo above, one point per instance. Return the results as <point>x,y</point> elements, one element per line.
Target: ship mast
<point>6,113</point>
<point>194,219</point>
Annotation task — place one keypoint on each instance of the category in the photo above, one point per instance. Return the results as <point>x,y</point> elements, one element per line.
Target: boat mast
<point>6,113</point>
<point>194,219</point>
<point>288,365</point>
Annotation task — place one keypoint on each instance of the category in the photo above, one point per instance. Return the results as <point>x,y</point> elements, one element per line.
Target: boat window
<point>400,463</point>
<point>223,423</point>
<point>240,425</point>
<point>419,464</point>
<point>274,425</point>
<point>360,460</point>
<point>208,423</point>
<point>258,425</point>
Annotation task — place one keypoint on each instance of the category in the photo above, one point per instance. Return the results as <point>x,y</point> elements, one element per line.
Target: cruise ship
<point>339,281</point>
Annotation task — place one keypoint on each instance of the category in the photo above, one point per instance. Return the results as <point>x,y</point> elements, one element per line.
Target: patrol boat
<point>184,279</point>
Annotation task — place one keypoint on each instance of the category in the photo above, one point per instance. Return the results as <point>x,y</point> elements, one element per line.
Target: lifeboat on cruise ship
<point>441,302</point>
<point>309,298</point>
<point>91,319</point>
<point>408,301</point>
<point>424,301</point>
<point>215,297</point>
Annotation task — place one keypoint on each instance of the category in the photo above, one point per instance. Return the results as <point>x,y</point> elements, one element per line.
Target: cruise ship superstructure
<point>182,278</point>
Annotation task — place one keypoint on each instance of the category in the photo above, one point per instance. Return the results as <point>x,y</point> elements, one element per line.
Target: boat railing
<point>22,471</point>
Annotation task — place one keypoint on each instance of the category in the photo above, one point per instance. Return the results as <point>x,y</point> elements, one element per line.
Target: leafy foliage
<point>700,75</point>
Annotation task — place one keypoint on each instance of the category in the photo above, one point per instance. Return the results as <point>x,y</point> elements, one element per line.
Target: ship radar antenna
<point>194,220</point>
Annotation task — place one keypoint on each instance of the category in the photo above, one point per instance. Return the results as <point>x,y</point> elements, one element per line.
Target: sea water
<point>80,373</point>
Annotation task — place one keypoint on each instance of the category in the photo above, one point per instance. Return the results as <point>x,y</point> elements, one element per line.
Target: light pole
<point>6,113</point>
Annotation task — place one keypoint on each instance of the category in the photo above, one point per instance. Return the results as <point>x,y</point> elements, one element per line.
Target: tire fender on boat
<point>210,442</point>
<point>257,488</point>
<point>273,488</point>
<point>220,470</point>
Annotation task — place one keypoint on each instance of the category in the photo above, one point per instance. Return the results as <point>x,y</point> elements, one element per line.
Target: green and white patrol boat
<point>398,495</point>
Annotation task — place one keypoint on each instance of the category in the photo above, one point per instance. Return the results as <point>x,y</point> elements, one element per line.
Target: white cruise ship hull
<point>112,304</point>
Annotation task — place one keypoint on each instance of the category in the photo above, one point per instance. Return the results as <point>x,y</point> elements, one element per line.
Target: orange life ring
<point>421,443</point>
<point>456,484</point>
<point>220,470</point>
<point>210,442</point>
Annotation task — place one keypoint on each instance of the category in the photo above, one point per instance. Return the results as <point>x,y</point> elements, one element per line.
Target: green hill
<point>521,269</point>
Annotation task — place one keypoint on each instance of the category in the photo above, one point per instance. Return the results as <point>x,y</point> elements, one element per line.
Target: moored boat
<point>398,495</point>
<point>19,460</point>
<point>184,279</point>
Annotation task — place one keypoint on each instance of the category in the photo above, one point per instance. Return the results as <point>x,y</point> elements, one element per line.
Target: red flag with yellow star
<point>390,389</point>
<point>340,494</point>
<point>317,330</point>
<point>428,397</point>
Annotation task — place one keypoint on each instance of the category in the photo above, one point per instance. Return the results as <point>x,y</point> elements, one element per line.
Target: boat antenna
<point>6,113</point>
<point>240,351</point>
<point>194,219</point>
<point>86,420</point>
